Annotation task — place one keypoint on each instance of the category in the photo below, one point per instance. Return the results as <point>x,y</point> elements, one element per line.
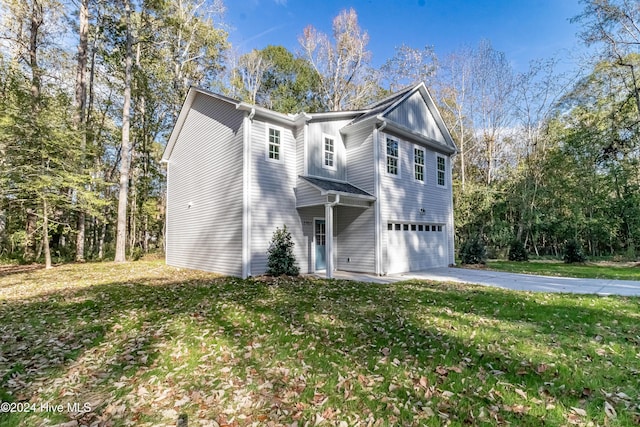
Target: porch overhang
<point>338,193</point>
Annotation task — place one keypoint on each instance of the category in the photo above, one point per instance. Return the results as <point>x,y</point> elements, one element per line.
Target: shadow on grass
<point>411,352</point>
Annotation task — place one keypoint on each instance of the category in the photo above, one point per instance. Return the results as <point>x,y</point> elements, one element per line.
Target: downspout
<point>328,218</point>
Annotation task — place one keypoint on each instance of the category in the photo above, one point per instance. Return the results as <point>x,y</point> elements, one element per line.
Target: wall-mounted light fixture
<point>189,205</point>
<point>422,211</point>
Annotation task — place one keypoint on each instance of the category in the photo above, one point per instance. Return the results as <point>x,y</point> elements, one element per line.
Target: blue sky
<point>524,29</point>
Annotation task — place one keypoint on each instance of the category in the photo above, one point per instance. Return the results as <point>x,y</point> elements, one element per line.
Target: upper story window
<point>442,168</point>
<point>418,164</point>
<point>274,144</point>
<point>329,151</point>
<point>392,157</point>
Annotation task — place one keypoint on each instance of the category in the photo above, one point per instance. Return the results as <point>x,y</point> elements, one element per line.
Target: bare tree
<point>252,66</point>
<point>342,64</point>
<point>455,95</point>
<point>492,86</point>
<point>410,66</point>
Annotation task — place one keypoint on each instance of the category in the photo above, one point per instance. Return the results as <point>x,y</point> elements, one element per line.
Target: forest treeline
<point>90,89</point>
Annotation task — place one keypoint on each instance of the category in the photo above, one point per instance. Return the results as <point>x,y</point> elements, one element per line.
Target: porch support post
<point>328,219</point>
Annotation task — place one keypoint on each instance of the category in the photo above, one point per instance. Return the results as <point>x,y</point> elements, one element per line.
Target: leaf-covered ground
<point>142,343</point>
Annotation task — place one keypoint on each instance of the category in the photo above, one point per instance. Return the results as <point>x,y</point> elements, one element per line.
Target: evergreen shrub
<point>517,251</point>
<point>473,251</point>
<point>573,252</point>
<point>281,258</point>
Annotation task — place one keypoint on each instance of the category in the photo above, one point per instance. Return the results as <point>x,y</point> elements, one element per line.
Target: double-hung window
<point>274,146</point>
<point>329,151</point>
<point>392,157</point>
<point>418,164</point>
<point>442,168</point>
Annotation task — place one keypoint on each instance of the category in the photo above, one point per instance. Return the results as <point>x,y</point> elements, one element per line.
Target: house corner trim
<point>246,195</point>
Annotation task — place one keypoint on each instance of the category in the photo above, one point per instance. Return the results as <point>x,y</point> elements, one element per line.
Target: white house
<point>363,191</point>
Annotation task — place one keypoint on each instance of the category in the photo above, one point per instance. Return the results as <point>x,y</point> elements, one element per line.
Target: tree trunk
<point>125,153</point>
<point>80,116</point>
<point>3,226</point>
<point>30,239</point>
<point>103,233</point>
<point>36,76</point>
<point>45,233</point>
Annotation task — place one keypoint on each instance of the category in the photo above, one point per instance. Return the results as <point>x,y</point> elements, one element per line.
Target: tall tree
<point>455,94</point>
<point>287,83</point>
<point>125,149</point>
<point>346,80</point>
<point>493,83</point>
<point>81,106</point>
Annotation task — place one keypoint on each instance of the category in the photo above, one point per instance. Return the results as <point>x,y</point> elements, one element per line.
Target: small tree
<point>281,258</point>
<point>573,252</point>
<point>473,251</point>
<point>517,251</point>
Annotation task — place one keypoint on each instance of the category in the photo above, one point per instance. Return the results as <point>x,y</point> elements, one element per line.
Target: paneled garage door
<point>412,247</point>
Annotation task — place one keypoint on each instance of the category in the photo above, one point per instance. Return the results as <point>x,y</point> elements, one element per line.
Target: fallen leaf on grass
<point>609,410</point>
<point>579,411</point>
<point>542,368</point>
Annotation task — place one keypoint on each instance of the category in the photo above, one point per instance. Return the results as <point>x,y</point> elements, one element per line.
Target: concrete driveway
<point>519,282</point>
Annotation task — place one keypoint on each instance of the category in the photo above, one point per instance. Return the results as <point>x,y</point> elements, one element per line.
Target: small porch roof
<point>327,186</point>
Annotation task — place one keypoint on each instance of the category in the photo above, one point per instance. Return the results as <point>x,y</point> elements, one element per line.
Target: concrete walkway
<point>519,282</point>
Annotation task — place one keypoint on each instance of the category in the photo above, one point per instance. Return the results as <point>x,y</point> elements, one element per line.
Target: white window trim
<point>266,137</point>
<point>424,164</point>
<point>438,156</point>
<point>335,154</point>
<point>386,157</point>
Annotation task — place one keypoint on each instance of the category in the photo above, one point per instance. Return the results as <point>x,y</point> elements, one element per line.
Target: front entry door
<point>321,241</point>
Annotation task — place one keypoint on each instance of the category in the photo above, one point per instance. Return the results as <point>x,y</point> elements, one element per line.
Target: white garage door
<point>412,247</point>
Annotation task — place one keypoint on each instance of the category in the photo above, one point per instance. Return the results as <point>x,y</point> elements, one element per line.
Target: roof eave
<point>280,118</point>
<point>186,106</point>
<point>409,134</point>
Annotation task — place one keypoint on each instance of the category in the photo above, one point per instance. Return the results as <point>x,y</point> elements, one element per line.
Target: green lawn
<point>558,268</point>
<point>142,343</point>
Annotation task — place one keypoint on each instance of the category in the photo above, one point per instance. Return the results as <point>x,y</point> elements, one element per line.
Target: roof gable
<point>414,114</point>
<point>417,113</point>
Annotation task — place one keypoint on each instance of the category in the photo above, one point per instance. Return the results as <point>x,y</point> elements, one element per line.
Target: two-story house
<point>363,191</point>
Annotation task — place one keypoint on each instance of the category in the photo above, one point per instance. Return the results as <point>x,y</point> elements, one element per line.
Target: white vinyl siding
<point>405,201</point>
<point>356,239</point>
<point>360,168</point>
<point>273,199</point>
<point>414,114</point>
<point>316,150</point>
<point>204,182</point>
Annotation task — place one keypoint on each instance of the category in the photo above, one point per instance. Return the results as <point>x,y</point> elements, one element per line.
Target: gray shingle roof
<point>335,186</point>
